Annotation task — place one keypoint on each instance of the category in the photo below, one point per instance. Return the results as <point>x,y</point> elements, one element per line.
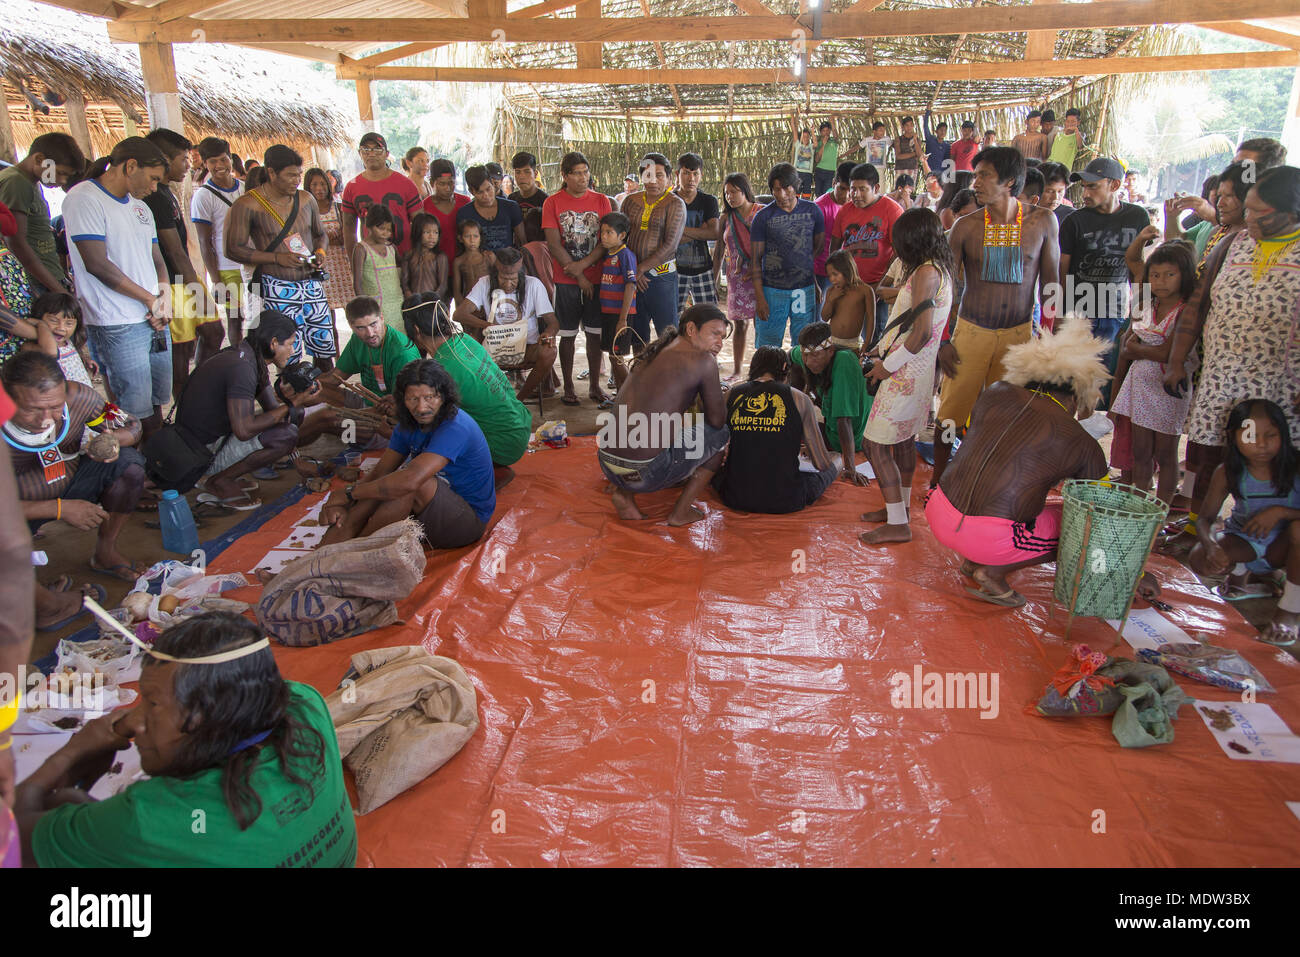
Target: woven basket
<point>1106,535</point>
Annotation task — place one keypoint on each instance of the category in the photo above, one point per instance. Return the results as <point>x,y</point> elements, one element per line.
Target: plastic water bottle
<point>179,533</point>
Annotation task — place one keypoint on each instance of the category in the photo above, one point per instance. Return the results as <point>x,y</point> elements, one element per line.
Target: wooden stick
<point>361,391</point>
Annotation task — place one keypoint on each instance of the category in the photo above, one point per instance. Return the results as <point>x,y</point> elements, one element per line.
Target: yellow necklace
<point>1052,397</point>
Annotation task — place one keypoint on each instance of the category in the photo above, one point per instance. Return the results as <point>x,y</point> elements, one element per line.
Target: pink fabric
<point>830,209</point>
<point>986,540</point>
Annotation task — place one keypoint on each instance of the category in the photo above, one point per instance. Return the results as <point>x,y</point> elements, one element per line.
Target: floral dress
<point>740,290</point>
<point>381,278</point>
<point>1142,397</point>
<point>1251,340</point>
<point>338,288</point>
<point>903,402</point>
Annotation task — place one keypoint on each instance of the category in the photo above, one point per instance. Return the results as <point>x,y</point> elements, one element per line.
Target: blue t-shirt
<point>616,272</point>
<point>497,233</point>
<point>791,241</point>
<point>469,463</point>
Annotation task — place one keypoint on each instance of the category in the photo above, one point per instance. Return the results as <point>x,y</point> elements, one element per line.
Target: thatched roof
<point>247,96</point>
<point>783,98</point>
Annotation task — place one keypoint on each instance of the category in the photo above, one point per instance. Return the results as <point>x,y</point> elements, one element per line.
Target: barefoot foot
<point>679,518</point>
<point>626,507</point>
<point>885,534</point>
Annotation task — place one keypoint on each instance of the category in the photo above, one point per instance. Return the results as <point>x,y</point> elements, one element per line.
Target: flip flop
<point>1230,592</point>
<point>1008,599</point>
<point>606,403</point>
<point>64,583</point>
<point>571,400</point>
<point>1279,636</point>
<point>266,474</point>
<point>123,571</point>
<point>240,503</point>
<point>95,591</point>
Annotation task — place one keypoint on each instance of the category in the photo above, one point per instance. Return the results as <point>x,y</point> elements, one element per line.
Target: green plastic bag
<point>1145,717</point>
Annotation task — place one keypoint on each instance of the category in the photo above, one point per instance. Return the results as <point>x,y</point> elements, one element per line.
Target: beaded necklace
<point>1003,261</point>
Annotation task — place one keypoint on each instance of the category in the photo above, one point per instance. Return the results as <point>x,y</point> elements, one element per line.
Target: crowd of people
<point>930,285</point>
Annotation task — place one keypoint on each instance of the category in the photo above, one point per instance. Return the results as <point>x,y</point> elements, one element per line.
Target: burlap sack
<point>405,715</point>
<point>343,589</point>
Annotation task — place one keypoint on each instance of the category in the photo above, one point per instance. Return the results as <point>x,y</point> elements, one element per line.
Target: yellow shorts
<point>186,306</point>
<point>981,352</point>
<point>232,281</point>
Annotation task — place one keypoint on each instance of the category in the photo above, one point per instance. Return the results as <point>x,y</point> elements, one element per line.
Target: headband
<point>234,653</point>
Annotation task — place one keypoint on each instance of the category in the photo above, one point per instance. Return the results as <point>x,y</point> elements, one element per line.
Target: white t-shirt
<point>877,150</point>
<point>535,303</point>
<point>207,207</point>
<point>127,229</point>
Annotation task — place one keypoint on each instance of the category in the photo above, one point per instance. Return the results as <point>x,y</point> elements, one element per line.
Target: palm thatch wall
<point>251,98</point>
<point>747,128</point>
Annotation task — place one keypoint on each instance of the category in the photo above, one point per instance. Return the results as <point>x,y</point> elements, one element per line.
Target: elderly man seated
<point>505,295</point>
<point>74,460</point>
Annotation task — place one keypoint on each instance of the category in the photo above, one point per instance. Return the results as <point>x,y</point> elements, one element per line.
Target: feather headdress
<point>1070,357</point>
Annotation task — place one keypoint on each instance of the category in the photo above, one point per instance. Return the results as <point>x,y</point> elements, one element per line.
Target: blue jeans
<point>797,305</point>
<point>1108,329</point>
<point>658,302</point>
<point>882,320</point>
<point>139,377</point>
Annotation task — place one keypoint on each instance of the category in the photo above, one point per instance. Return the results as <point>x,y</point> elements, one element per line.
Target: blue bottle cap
<point>171,493</point>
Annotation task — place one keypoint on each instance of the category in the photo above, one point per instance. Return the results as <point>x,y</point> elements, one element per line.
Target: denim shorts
<point>659,303</point>
<point>139,377</point>
<point>671,466</point>
<point>797,305</point>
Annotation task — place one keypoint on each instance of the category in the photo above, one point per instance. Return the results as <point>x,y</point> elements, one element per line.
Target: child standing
<point>425,268</point>
<point>58,315</point>
<point>375,270</point>
<point>850,304</point>
<point>471,262</point>
<point>1263,532</point>
<point>1167,281</point>
<point>617,295</point>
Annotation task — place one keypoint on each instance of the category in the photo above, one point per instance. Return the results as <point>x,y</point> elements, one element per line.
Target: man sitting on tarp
<point>217,410</point>
<point>67,471</point>
<point>990,506</point>
<point>651,440</point>
<point>378,353</point>
<point>437,467</point>
<point>506,296</point>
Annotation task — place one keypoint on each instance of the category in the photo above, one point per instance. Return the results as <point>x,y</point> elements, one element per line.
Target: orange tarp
<point>720,694</point>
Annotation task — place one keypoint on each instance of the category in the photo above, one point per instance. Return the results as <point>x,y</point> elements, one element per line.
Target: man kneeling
<point>991,504</point>
<point>217,410</point>
<point>437,467</point>
<point>638,449</point>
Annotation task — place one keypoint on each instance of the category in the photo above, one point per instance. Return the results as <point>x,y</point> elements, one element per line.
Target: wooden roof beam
<point>888,73</point>
<point>663,62</point>
<point>95,8</point>
<point>590,55</point>
<point>170,10</point>
<point>888,23</point>
<point>1290,41</point>
<point>1041,44</point>
<point>541,9</point>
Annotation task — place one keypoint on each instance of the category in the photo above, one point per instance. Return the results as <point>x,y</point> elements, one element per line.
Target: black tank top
<point>762,473</point>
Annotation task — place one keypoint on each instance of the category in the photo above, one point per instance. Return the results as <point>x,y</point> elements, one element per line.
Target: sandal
<point>571,400</point>
<point>123,571</point>
<point>1279,635</point>
<point>1230,592</point>
<point>1008,599</point>
<point>240,503</point>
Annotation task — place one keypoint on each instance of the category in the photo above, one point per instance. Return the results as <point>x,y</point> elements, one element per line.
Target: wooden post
<point>366,104</point>
<point>161,94</point>
<point>1105,113</point>
<point>8,147</point>
<point>1291,125</point>
<point>75,104</point>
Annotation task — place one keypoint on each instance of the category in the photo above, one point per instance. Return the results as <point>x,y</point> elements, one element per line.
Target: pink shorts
<point>986,540</point>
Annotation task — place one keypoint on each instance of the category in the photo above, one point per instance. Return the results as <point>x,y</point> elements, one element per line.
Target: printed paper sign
<point>1250,732</point>
<point>1147,628</point>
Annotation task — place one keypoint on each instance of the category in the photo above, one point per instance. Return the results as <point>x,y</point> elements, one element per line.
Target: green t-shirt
<point>21,195</point>
<point>157,823</point>
<point>1065,146</point>
<point>1199,236</point>
<point>378,367</point>
<point>847,397</point>
<point>488,397</point>
<point>830,154</point>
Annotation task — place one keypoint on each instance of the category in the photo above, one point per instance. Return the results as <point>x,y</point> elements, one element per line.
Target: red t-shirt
<point>578,221</point>
<point>397,192</point>
<point>866,233</point>
<point>6,407</point>
<point>447,223</point>
<point>962,152</point>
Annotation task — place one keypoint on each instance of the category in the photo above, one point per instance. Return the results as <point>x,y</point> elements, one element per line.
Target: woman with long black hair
<point>733,255</point>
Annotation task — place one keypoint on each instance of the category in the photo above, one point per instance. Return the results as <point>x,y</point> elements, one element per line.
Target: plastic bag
<point>1145,717</point>
<point>552,434</point>
<point>116,658</point>
<point>1220,667</point>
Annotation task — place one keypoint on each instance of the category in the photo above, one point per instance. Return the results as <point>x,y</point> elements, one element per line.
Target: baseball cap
<point>374,138</point>
<point>631,178</point>
<point>495,171</point>
<point>1100,168</point>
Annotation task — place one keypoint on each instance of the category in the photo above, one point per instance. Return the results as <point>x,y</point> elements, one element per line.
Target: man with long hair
<point>437,467</point>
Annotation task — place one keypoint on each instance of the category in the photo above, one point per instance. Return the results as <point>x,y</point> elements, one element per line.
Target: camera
<point>316,265</point>
<point>300,376</point>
